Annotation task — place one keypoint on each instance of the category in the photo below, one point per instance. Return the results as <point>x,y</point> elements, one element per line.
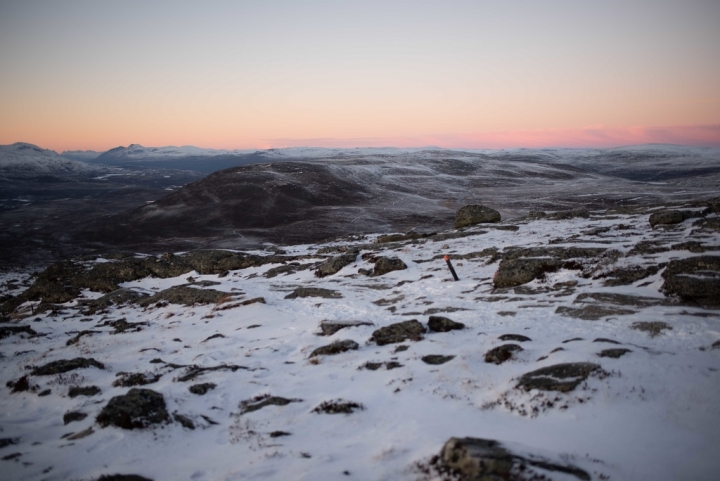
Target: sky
<point>77,75</point>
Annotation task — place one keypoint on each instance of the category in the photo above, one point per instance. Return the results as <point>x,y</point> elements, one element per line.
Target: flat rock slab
<point>592,312</point>
<point>694,279</point>
<point>500,354</point>
<point>186,295</point>
<point>476,459</point>
<point>559,377</point>
<point>328,328</point>
<point>138,409</point>
<point>515,272</point>
<point>653,328</point>
<point>398,332</point>
<point>443,324</point>
<point>256,404</point>
<point>514,337</point>
<point>614,353</point>
<point>475,214</point>
<point>335,348</point>
<point>383,265</point>
<point>75,391</point>
<point>314,292</point>
<point>62,366</point>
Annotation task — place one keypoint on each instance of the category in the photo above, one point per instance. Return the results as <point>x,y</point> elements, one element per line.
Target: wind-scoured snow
<point>652,415</point>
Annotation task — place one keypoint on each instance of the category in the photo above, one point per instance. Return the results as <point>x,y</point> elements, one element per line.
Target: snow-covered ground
<point>653,413</point>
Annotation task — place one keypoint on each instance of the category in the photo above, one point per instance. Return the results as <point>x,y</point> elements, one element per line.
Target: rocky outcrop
<point>476,459</point>
<point>475,214</point>
<point>336,347</point>
<point>695,279</point>
<point>398,332</point>
<point>559,377</point>
<point>138,409</point>
<point>313,292</point>
<point>333,266</point>
<point>500,354</point>
<point>328,328</point>
<point>668,217</point>
<point>383,265</point>
<point>186,295</point>
<point>515,272</point>
<point>62,366</point>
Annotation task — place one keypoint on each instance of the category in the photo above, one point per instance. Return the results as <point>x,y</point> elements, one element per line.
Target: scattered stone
<point>136,379</point>
<point>59,367</point>
<point>121,326</point>
<point>6,331</point>
<point>695,279</point>
<point>12,456</point>
<point>202,388</point>
<point>72,416</point>
<point>500,354</point>
<point>214,336</point>
<point>514,337</point>
<point>614,353</point>
<point>118,297</point>
<point>80,334</point>
<point>559,377</point>
<point>138,409</point>
<point>401,348</point>
<point>44,393</point>
<point>313,292</point>
<point>254,300</point>
<point>398,332</point>
<point>257,403</point>
<point>436,359</point>
<point>82,434</point>
<point>21,385</point>
<point>328,328</point>
<point>5,442</point>
<point>475,214</point>
<point>654,328</point>
<point>185,421</point>
<point>338,406</point>
<point>374,366</point>
<point>334,265</point>
<point>83,391</point>
<point>335,348</point>
<point>475,459</point>
<point>383,265</point>
<point>668,217</point>
<point>628,275</point>
<point>277,434</point>
<point>573,340</point>
<point>443,324</point>
<point>194,371</point>
<point>515,272</point>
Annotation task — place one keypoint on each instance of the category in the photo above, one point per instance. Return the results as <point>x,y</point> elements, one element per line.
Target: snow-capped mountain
<point>139,152</point>
<point>22,160</point>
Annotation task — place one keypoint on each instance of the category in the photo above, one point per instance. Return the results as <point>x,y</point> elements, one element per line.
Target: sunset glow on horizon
<point>88,75</point>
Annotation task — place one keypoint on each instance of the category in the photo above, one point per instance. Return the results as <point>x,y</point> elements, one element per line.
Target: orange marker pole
<point>452,269</point>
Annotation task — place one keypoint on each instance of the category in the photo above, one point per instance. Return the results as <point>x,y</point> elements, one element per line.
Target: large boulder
<point>476,459</point>
<point>138,409</point>
<point>332,266</point>
<point>515,272</point>
<point>475,214</point>
<point>695,279</point>
<point>383,265</point>
<point>668,217</point>
<point>398,332</point>
<point>559,377</point>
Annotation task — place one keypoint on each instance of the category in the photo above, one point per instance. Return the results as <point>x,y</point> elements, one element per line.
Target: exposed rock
<point>202,388</point>
<point>443,324</point>
<point>338,406</point>
<point>514,337</point>
<point>184,421</point>
<point>136,379</point>
<point>6,331</point>
<point>403,237</point>
<point>383,265</point>
<point>138,409</point>
<point>335,348</point>
<point>627,275</point>
<point>654,328</point>
<point>59,367</point>
<point>592,312</point>
<point>83,391</point>
<point>186,295</point>
<point>500,354</point>
<point>614,353</point>
<point>123,477</point>
<point>602,339</point>
<point>398,332</point>
<point>193,371</point>
<point>436,359</point>
<point>374,366</point>
<point>515,272</point>
<point>475,214</point>
<point>258,403</point>
<point>332,266</point>
<point>328,328</point>
<point>117,297</point>
<point>475,459</point>
<point>286,269</point>
<point>694,279</point>
<point>670,217</point>
<point>710,224</point>
<point>559,377</point>
<point>73,416</point>
<point>313,292</point>
<point>620,299</point>
<point>5,442</point>
<point>21,385</point>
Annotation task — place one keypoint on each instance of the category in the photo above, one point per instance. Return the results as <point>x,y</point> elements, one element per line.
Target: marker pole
<point>452,269</point>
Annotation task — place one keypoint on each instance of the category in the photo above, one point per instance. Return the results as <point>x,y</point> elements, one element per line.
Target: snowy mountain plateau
<point>574,346</point>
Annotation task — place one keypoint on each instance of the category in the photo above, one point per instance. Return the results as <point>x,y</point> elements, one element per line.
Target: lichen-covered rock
<point>335,348</point>
<point>500,354</point>
<point>515,272</point>
<point>138,409</point>
<point>333,266</point>
<point>559,377</point>
<point>670,217</point>
<point>475,459</point>
<point>314,292</point>
<point>443,324</point>
<point>694,279</point>
<point>65,365</point>
<point>383,265</point>
<point>117,297</point>
<point>398,332</point>
<point>475,214</point>
<point>186,295</point>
